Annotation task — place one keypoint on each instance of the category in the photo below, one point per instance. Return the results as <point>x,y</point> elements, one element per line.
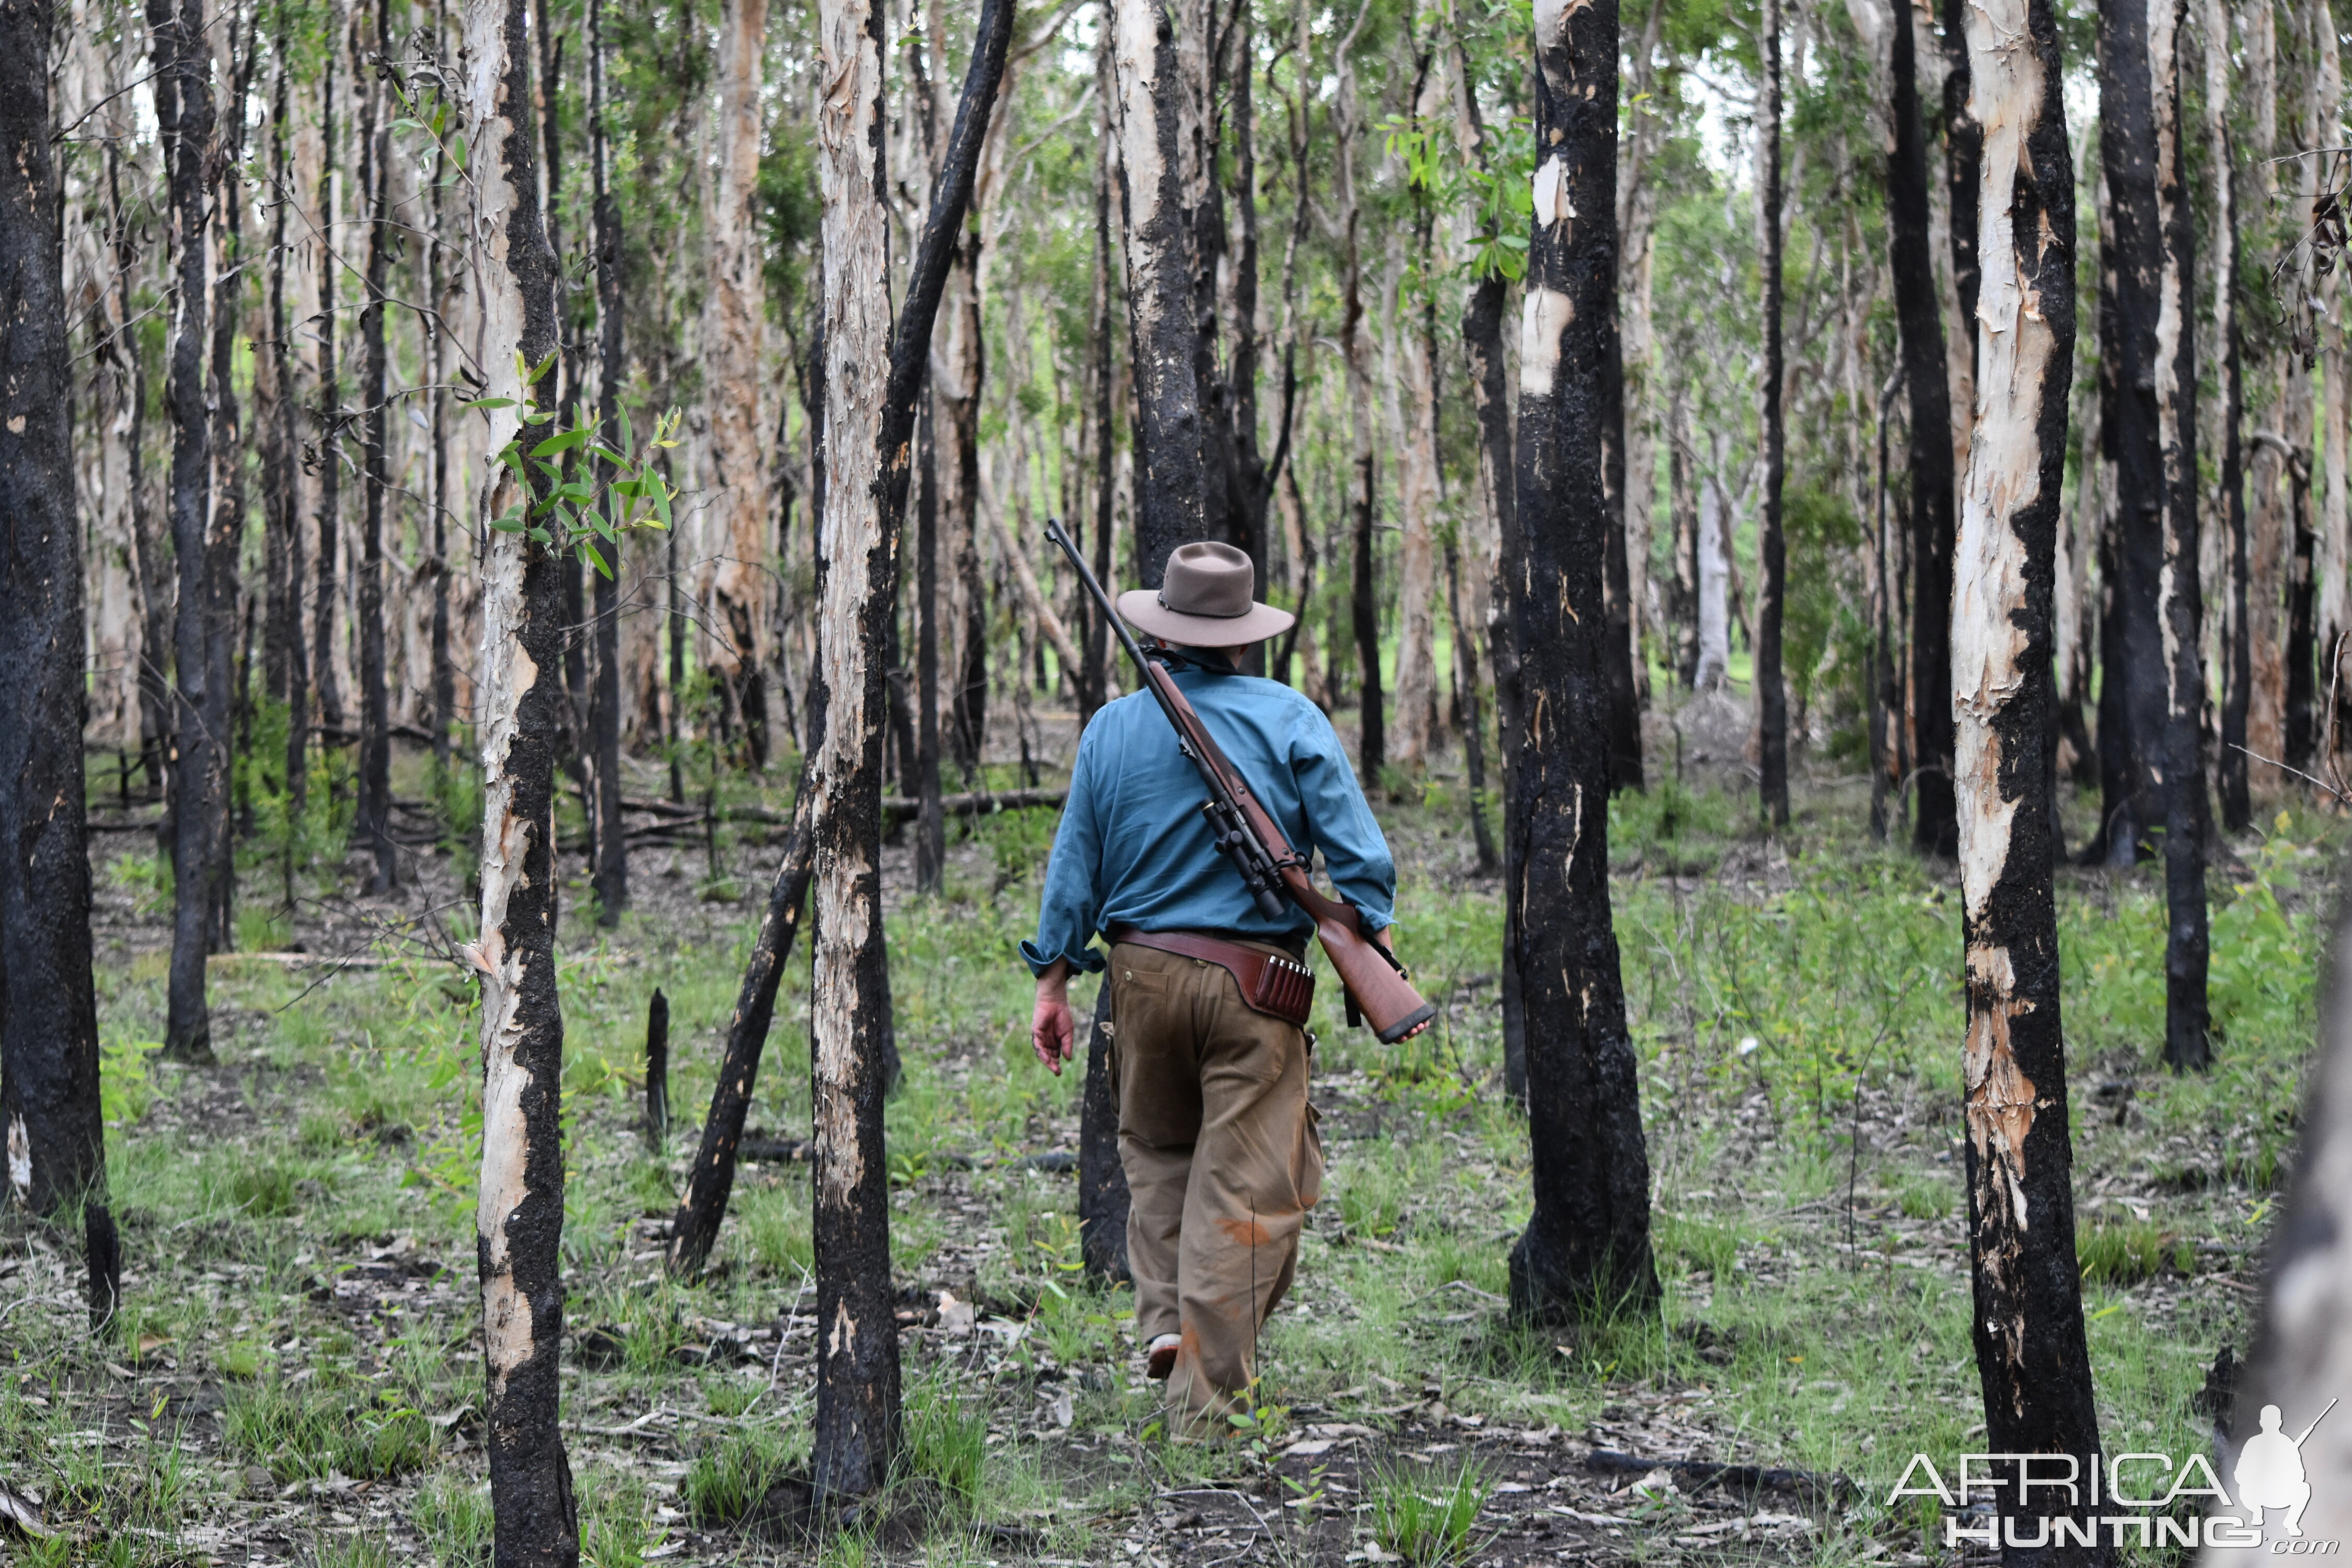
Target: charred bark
<point>374,827</point>
<point>49,1120</point>
<point>1771,546</point>
<point>1161,323</point>
<point>869,417</point>
<point>656,1072</point>
<point>290,678</point>
<point>184,111</point>
<point>519,1221</point>
<point>695,1228</point>
<point>2237,640</point>
<point>612,876</point>
<point>1586,1250</point>
<point>1103,1197</point>
<point>931,821</point>
<point>2031,1358</point>
<point>1919,319</point>
<point>327,416</point>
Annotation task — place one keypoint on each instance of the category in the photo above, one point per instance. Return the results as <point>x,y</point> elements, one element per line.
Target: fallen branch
<point>1819,1489</point>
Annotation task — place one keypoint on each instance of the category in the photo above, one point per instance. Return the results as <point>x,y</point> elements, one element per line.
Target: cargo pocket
<point>1308,1175</point>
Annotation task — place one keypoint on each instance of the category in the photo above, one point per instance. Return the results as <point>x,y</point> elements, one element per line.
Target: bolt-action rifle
<point>1378,988</point>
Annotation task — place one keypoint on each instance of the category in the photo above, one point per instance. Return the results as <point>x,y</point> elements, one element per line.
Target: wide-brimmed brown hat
<point>1204,601</point>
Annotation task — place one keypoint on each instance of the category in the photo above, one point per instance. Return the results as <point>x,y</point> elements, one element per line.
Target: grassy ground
<point>294,1377</point>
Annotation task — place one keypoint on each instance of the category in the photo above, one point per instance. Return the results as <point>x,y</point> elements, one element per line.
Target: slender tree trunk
<point>612,879</point>
<point>1771,549</point>
<point>930,820</point>
<point>566,378</point>
<point>277,451</point>
<point>2238,673</point>
<point>329,416</point>
<point>1165,332</point>
<point>285,521</point>
<point>2303,729</point>
<point>2032,1358</point>
<point>732,318</point>
<point>1102,370</point>
<point>49,1120</point>
<point>1920,321</point>
<point>375,742</point>
<point>225,530</point>
<point>2180,595</point>
<point>1465,691</point>
<point>1586,1250</point>
<point>146,547</point>
<point>1364,601</point>
<point>873,378</point>
<point>520,1222</point>
<point>694,1229</point>
<point>183,80</point>
<point>437,329</point>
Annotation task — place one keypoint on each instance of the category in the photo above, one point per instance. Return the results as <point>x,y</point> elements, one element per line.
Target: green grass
<point>1426,1513</point>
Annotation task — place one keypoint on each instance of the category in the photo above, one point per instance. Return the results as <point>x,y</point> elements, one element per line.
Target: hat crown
<point>1207,578</point>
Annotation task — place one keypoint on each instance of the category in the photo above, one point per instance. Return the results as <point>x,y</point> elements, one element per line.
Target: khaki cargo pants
<point>1222,1163</point>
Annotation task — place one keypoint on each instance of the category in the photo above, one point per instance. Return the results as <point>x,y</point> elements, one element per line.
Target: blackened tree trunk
<point>1586,1250</point>
<point>930,820</point>
<point>2132,732</point>
<point>1103,1196</point>
<point>2180,600</point>
<point>375,717</point>
<point>612,879</point>
<point>329,416</point>
<point>1771,547</point>
<point>225,528</point>
<point>520,1222</point>
<point>2032,1358</point>
<point>1363,423</point>
<point>285,521</point>
<point>694,1229</point>
<point>2302,636</point>
<point>49,1120</point>
<point>1466,685</point>
<point>183,113</point>
<point>1919,319</point>
<point>873,377</point>
<point>1101,369</point>
<point>2237,640</point>
<point>1161,324</point>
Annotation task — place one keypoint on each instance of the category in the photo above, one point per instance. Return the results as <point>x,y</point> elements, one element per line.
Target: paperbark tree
<point>2188,1044</point>
<point>1586,1250</point>
<point>734,314</point>
<point>612,879</point>
<point>2237,641</point>
<point>1771,547</point>
<point>49,1122</point>
<point>375,716</point>
<point>184,115</point>
<point>873,377</point>
<point>327,416</point>
<point>1162,326</point>
<point>2031,1358</point>
<point>1919,320</point>
<point>519,1221</point>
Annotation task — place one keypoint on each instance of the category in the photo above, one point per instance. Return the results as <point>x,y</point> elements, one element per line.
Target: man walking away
<point>1215,1128</point>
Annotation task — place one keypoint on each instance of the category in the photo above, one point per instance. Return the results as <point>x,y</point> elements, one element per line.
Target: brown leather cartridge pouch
<point>1278,987</point>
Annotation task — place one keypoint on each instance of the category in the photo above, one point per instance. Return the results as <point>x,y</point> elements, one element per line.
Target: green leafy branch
<point>573,513</point>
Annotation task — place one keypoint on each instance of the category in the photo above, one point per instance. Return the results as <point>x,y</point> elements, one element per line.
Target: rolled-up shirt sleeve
<point>1355,852</point>
<point>1071,904</point>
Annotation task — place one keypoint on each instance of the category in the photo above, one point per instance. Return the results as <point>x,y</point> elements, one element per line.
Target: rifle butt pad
<point>1411,1024</point>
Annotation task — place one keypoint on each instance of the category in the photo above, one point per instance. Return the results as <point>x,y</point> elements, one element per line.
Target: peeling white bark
<point>1134,64</point>
<point>1714,589</point>
<point>507,673</point>
<point>1542,319</point>
<point>20,1160</point>
<point>858,355</point>
<point>734,319</point>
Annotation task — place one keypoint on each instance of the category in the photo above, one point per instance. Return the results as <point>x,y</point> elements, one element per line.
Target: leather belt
<point>1271,984</point>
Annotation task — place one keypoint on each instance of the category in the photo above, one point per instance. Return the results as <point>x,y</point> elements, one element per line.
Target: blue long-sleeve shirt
<point>1134,849</point>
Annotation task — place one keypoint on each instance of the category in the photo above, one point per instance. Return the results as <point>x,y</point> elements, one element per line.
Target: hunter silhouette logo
<point>2269,1472</point>
<point>2145,1491</point>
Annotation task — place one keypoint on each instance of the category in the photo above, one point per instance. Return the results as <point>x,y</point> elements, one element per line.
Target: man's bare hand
<point>1050,1028</point>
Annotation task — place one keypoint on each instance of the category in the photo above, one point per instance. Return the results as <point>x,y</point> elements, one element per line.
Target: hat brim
<point>1142,609</point>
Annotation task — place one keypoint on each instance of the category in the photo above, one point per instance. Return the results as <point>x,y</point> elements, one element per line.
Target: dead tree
<point>520,1222</point>
<point>873,377</point>
<point>184,115</point>
<point>49,1118</point>
<point>1586,1250</point>
<point>2032,1358</point>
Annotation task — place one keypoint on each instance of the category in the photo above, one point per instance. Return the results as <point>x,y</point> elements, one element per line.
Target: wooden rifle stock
<point>1376,983</point>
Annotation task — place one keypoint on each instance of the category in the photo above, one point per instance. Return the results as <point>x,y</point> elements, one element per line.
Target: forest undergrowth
<point>295,1374</point>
